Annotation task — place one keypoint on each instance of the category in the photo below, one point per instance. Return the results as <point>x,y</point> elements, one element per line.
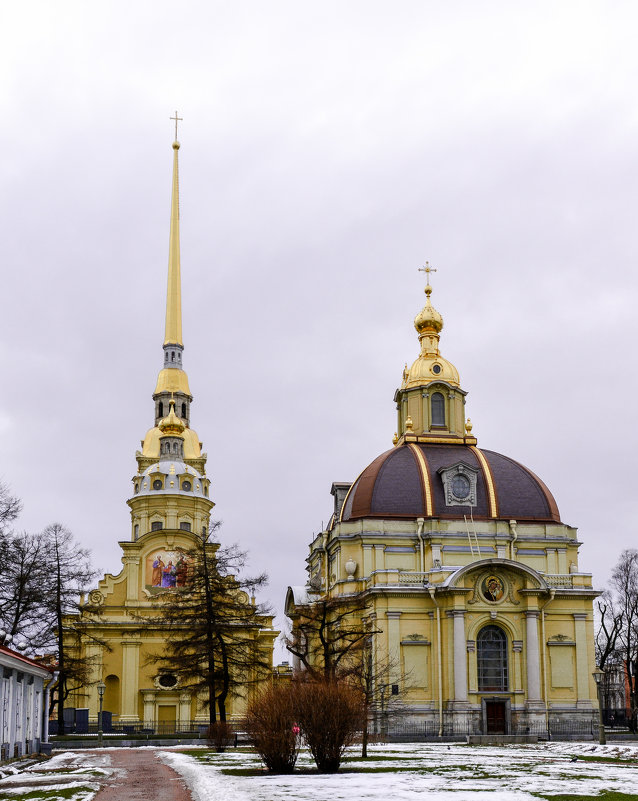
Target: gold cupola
<point>430,401</point>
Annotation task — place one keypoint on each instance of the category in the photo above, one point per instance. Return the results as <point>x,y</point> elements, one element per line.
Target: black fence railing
<point>192,729</point>
<point>451,725</point>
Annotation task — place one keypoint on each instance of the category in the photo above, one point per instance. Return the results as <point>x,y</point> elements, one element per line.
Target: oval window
<point>187,486</point>
<point>158,484</point>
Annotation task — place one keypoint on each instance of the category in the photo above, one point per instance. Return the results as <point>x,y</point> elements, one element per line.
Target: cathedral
<point>482,616</point>
<point>170,508</point>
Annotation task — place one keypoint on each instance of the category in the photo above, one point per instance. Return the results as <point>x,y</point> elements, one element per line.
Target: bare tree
<point>10,507</point>
<point>617,636</point>
<point>65,617</point>
<point>329,635</point>
<point>25,586</point>
<point>213,625</point>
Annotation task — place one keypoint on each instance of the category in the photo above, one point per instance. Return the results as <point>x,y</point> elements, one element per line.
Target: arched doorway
<point>493,676</point>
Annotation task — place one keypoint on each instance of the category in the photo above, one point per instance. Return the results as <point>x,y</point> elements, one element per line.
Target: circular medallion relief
<point>492,588</point>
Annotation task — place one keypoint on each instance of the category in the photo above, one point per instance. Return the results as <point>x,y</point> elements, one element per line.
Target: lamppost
<point>599,675</point>
<point>100,691</point>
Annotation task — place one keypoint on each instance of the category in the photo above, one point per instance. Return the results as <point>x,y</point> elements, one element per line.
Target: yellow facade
<point>472,580</point>
<point>170,510</point>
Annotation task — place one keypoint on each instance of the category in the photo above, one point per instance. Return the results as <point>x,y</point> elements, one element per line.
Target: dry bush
<point>329,715</point>
<point>220,735</point>
<point>270,723</point>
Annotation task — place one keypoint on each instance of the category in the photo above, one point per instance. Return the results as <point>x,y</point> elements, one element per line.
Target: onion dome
<point>428,319</point>
<point>448,481</point>
<point>171,425</point>
<point>429,366</point>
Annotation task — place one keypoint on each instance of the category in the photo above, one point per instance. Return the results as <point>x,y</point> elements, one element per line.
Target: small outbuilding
<point>23,704</point>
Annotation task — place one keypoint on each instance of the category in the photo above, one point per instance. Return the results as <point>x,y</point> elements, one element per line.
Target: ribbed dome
<point>407,482</point>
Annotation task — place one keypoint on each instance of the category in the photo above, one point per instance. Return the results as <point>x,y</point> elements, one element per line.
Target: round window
<point>168,680</point>
<point>460,487</point>
<point>158,484</point>
<point>436,368</point>
<point>186,486</point>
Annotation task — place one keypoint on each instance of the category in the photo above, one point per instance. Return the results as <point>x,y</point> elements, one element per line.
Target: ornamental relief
<point>494,587</point>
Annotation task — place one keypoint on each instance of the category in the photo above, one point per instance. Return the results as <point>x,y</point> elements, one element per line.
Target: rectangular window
<point>185,526</point>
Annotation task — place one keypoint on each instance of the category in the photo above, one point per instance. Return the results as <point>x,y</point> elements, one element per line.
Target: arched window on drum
<point>438,409</point>
<point>491,653</point>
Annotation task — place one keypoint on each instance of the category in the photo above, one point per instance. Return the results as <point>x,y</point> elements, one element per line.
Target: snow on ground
<point>404,772</point>
<point>70,770</point>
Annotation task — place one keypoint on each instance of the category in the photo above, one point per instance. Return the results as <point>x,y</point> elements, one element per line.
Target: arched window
<point>160,409</point>
<point>172,355</point>
<point>438,409</point>
<point>183,411</point>
<point>491,654</point>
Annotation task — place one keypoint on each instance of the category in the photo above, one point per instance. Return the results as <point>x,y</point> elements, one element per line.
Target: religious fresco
<point>166,570</point>
<point>492,588</point>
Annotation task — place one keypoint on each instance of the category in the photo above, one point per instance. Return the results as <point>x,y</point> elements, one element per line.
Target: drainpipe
<point>552,593</point>
<point>420,523</point>
<point>513,525</point>
<point>324,545</point>
<point>431,590</point>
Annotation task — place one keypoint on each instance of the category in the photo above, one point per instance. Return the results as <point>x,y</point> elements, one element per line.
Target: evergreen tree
<point>213,625</point>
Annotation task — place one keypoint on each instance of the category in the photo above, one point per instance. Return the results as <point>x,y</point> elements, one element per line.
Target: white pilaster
<point>533,660</point>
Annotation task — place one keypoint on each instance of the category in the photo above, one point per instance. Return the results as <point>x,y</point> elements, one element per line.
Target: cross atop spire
<point>177,119</point>
<point>427,269</point>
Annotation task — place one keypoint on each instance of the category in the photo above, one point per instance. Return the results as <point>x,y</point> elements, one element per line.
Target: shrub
<point>220,735</point>
<point>271,725</point>
<point>330,713</point>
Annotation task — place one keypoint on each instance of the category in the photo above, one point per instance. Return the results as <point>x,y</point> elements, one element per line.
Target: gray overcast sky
<point>328,150</point>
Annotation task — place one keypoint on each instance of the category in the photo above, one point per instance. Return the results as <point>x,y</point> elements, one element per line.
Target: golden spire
<point>173,334</point>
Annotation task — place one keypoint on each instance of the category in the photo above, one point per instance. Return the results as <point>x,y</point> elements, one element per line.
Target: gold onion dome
<point>171,425</point>
<point>428,319</point>
<point>429,366</point>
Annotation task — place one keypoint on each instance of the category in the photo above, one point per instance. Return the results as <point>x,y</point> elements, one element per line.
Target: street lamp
<point>598,675</point>
<point>100,691</point>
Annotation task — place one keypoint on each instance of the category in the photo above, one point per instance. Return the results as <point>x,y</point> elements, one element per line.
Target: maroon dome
<point>407,482</point>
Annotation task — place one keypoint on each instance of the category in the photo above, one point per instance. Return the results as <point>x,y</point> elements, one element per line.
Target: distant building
<point>471,576</point>
<point>23,704</point>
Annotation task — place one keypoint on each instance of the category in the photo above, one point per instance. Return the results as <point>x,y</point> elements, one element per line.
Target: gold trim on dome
<point>489,480</point>
<point>426,478</point>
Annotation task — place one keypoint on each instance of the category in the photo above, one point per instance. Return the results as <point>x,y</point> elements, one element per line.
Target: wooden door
<point>495,714</point>
<point>166,718</point>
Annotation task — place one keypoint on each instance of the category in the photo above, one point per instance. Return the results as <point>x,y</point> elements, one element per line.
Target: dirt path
<point>141,776</point>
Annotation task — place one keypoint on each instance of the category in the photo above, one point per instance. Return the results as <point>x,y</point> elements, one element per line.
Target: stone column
<point>379,557</point>
<point>460,655</point>
<point>394,645</point>
<point>130,680</point>
<point>367,567</point>
<point>533,660</point>
<point>184,712</point>
<point>149,710</point>
<point>517,649</point>
<point>582,669</point>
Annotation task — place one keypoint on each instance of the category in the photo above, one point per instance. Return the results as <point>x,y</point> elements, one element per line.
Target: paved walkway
<point>141,776</point>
